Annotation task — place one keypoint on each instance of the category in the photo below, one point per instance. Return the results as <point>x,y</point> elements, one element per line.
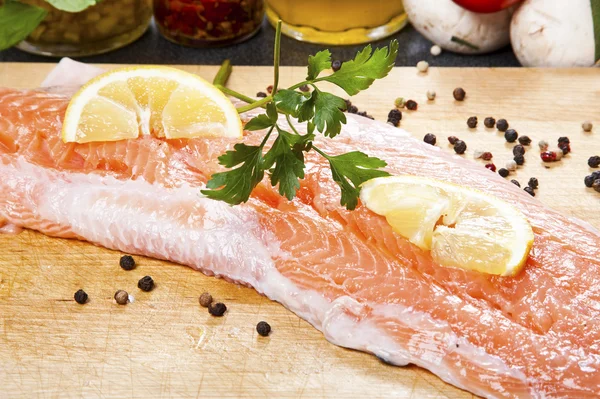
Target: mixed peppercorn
<point>146,283</point>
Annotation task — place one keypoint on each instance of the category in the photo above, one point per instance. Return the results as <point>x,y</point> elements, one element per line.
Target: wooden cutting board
<point>164,345</point>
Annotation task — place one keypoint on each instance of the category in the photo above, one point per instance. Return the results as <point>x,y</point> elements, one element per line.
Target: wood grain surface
<point>164,345</point>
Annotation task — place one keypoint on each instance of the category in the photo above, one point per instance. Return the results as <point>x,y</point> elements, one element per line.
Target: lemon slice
<point>166,102</point>
<point>462,227</point>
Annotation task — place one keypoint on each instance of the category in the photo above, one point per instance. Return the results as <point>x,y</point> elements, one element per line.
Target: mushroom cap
<point>549,33</point>
<point>440,20</point>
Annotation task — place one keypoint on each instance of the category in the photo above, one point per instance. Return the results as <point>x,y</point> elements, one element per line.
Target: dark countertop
<point>151,48</point>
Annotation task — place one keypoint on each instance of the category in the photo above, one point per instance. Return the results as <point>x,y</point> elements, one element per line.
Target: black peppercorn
<point>394,117</point>
<point>452,139</point>
<point>503,172</point>
<point>596,185</point>
<point>460,147</point>
<point>263,328</point>
<point>146,284</point>
<point>502,125</point>
<point>533,183</point>
<point>564,140</point>
<point>589,180</point>
<point>411,105</point>
<point>518,150</point>
<point>489,122</point>
<point>394,122</point>
<point>459,94</point>
<point>594,161</point>
<point>127,262</point>
<point>261,94</point>
<point>430,138</point>
<point>353,109</point>
<point>524,140</point>
<point>80,297</point>
<point>395,114</point>
<point>218,309</point>
<point>519,159</point>
<point>364,113</point>
<point>472,122</point>
<point>565,147</point>
<point>304,88</point>
<point>529,191</point>
<point>516,183</point>
<point>336,65</point>
<point>511,135</point>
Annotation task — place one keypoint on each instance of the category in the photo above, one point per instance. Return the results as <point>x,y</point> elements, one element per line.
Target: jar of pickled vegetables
<point>205,23</point>
<point>105,26</point>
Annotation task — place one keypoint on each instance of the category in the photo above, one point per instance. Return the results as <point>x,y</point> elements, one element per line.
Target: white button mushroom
<point>550,33</point>
<point>457,29</point>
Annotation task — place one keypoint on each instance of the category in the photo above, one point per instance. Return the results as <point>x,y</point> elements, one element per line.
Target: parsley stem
<point>320,152</point>
<point>235,94</point>
<point>262,144</point>
<point>223,74</point>
<point>255,104</point>
<point>289,120</point>
<point>276,57</point>
<point>307,82</point>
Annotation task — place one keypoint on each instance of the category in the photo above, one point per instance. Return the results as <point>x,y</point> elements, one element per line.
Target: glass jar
<point>337,22</point>
<point>205,23</point>
<point>106,26</point>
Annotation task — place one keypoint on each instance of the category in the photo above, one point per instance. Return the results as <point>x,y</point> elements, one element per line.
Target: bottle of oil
<point>337,22</point>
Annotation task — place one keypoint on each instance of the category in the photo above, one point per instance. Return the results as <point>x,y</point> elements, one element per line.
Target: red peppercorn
<point>270,89</point>
<point>486,156</point>
<point>491,167</point>
<point>411,105</point>
<point>548,156</point>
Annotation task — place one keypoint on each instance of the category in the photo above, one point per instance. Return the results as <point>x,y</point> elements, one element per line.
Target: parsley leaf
<point>17,21</point>
<point>318,63</point>
<point>358,74</point>
<point>235,185</point>
<point>263,121</point>
<point>286,154</point>
<point>288,101</point>
<point>328,115</point>
<point>352,169</point>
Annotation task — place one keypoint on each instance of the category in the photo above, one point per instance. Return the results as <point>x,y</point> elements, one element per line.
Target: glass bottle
<point>337,22</point>
<point>205,23</point>
<point>106,26</point>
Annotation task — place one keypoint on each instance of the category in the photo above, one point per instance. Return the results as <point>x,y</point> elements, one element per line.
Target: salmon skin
<point>536,335</point>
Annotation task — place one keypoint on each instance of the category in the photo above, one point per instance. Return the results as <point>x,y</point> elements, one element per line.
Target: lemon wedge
<point>166,102</point>
<point>462,227</point>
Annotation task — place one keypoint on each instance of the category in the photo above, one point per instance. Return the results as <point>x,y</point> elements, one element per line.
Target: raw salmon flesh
<point>536,335</point>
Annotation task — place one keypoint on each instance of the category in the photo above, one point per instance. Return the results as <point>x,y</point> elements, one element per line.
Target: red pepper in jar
<point>203,23</point>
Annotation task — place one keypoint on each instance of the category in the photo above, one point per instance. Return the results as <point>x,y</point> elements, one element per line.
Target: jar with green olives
<point>106,26</point>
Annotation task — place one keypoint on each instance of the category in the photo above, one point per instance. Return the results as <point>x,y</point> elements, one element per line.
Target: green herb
<point>17,21</point>
<point>72,5</point>
<point>596,21</point>
<point>463,42</point>
<point>322,112</point>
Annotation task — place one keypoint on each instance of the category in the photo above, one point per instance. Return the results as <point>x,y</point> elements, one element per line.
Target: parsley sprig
<point>321,111</point>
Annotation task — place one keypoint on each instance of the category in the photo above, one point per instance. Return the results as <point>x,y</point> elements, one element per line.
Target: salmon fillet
<point>536,335</point>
